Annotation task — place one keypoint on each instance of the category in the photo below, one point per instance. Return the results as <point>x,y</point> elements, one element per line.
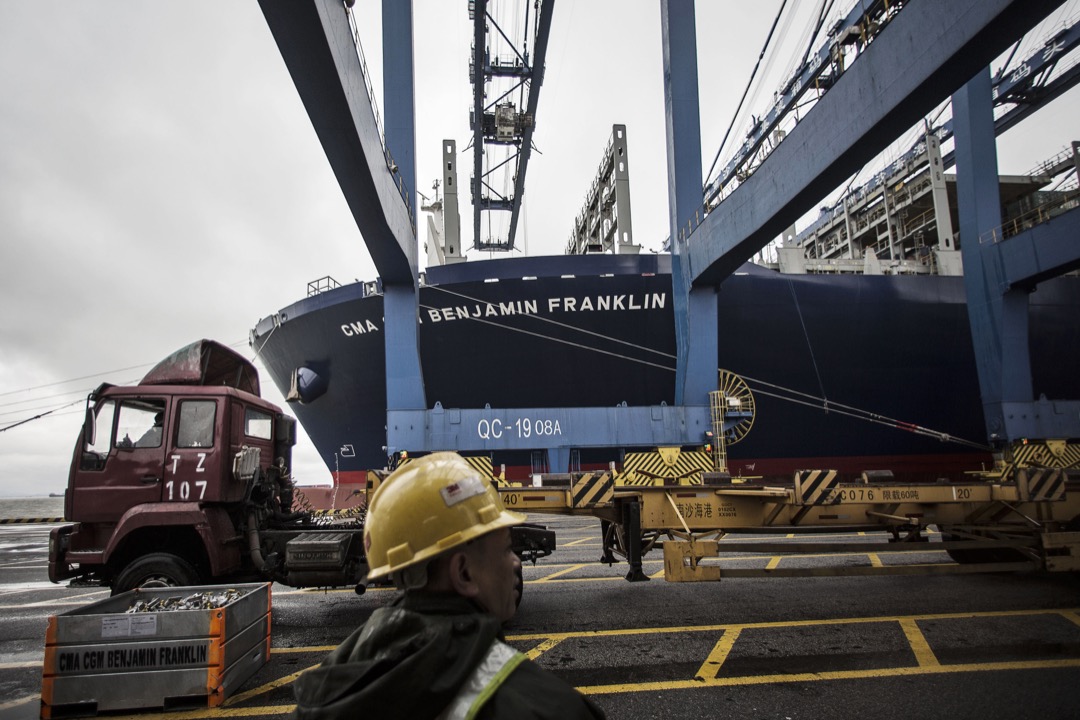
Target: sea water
<point>18,508</point>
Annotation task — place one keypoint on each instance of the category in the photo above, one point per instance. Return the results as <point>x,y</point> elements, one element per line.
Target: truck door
<point>121,466</point>
<point>194,467</point>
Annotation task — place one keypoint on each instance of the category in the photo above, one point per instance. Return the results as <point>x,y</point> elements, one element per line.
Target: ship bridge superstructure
<point>904,220</point>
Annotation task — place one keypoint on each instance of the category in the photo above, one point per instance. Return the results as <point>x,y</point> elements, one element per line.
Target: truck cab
<point>173,480</point>
<point>184,479</point>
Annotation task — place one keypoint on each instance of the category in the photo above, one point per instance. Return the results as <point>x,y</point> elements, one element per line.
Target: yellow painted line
<point>549,566</point>
<point>831,675</point>
<point>658,575</point>
<point>272,685</point>
<point>574,543</point>
<point>720,651</point>
<point>576,580</point>
<point>875,560</point>
<point>924,654</point>
<point>218,712</point>
<point>572,568</point>
<point>20,665</point>
<point>310,648</point>
<point>542,648</point>
<point>774,561</point>
<point>785,624</point>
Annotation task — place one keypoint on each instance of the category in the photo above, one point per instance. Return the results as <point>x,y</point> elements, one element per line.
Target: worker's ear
<point>461,579</point>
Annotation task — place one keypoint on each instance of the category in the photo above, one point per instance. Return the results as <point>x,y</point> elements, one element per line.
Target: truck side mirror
<point>90,427</point>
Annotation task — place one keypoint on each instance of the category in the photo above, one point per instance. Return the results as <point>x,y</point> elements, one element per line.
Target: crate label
<point>144,625</point>
<point>115,626</point>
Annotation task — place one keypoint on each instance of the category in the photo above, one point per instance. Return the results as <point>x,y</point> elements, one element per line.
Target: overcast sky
<point>161,183</point>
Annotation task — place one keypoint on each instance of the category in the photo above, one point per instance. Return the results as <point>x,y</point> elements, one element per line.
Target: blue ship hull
<point>598,331</point>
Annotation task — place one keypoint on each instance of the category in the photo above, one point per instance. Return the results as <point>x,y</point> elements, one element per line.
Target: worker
<point>152,437</point>
<point>440,532</point>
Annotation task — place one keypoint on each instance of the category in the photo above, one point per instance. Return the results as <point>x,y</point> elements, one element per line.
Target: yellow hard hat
<point>434,503</point>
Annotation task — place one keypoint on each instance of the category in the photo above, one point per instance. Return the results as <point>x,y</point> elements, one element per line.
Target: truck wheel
<point>154,571</point>
<point>519,585</point>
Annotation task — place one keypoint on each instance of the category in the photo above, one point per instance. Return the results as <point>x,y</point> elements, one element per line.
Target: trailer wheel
<point>519,585</point>
<point>155,571</point>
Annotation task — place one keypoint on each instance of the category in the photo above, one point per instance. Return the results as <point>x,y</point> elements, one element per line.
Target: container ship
<point>853,335</point>
<point>851,369</point>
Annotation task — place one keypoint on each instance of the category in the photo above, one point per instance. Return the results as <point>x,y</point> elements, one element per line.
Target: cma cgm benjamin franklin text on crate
<point>155,648</point>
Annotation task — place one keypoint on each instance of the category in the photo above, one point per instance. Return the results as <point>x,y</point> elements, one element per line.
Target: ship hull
<point>598,331</point>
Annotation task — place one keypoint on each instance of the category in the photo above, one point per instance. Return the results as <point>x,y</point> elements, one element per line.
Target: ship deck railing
<point>1038,215</point>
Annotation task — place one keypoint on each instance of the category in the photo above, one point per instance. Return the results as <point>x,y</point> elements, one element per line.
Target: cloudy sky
<point>161,183</point>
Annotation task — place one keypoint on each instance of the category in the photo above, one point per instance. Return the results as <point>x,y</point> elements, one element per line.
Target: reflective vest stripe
<point>500,661</point>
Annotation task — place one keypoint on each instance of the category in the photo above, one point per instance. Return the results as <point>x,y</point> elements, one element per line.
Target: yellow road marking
<point>542,648</point>
<point>720,651</point>
<point>273,684</point>
<point>570,569</point>
<point>875,560</point>
<point>706,674</point>
<point>784,624</point>
<point>667,685</point>
<point>558,581</point>
<point>219,712</point>
<point>830,675</point>
<point>699,682</point>
<point>774,561</point>
<point>923,653</point>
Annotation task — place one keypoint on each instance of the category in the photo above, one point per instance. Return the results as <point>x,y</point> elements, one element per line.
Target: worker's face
<point>494,568</point>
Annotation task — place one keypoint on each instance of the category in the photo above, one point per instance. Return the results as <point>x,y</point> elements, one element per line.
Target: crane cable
<point>40,415</point>
<point>793,396</point>
<point>235,345</point>
<point>749,83</point>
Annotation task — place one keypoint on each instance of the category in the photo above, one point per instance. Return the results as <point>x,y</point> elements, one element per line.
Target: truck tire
<point>154,571</point>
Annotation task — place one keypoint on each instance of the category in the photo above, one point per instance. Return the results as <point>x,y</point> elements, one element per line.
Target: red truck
<point>184,479</point>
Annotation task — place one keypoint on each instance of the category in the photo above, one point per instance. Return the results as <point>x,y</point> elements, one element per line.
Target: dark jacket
<point>410,659</point>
